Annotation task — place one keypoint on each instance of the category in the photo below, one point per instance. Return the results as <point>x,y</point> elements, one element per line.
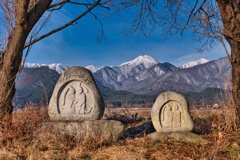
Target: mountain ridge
<point>60,68</point>
<point>194,63</point>
<point>145,60</point>
<point>40,81</point>
<point>139,74</point>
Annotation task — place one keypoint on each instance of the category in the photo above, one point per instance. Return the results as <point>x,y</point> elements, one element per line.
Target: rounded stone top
<point>170,113</point>
<point>76,97</point>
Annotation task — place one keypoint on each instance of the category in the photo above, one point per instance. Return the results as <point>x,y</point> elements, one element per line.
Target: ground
<point>217,126</point>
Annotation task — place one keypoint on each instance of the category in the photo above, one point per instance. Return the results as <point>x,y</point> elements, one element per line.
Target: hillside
<point>214,74</point>
<point>35,85</point>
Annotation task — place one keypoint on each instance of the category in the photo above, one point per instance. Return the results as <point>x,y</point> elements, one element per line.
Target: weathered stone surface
<point>107,130</point>
<point>177,136</point>
<point>170,113</point>
<point>76,97</point>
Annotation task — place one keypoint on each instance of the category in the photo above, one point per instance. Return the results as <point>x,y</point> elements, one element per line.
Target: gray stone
<point>107,130</point>
<point>76,97</point>
<point>176,136</point>
<point>170,113</point>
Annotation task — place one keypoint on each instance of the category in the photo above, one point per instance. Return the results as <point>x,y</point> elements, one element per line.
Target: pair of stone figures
<point>76,98</point>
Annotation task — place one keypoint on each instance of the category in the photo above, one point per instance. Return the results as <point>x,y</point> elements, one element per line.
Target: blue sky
<point>78,45</point>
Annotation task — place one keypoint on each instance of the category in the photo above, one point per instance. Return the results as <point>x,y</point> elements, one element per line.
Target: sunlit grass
<point>18,138</point>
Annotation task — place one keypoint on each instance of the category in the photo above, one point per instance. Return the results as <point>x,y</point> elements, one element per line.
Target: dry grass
<point>18,141</point>
<point>17,131</point>
<point>222,119</point>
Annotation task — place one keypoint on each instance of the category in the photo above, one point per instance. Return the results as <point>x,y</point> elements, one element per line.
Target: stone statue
<point>68,100</point>
<point>170,113</point>
<point>167,116</point>
<point>177,116</point>
<point>75,100</point>
<point>76,97</point>
<point>80,101</point>
<point>172,120</point>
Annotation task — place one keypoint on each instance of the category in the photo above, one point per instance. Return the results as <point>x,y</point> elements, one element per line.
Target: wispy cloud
<point>214,54</point>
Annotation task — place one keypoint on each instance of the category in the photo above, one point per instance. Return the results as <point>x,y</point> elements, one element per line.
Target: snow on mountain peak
<point>146,60</point>
<point>194,63</point>
<point>31,65</point>
<point>92,68</point>
<point>60,68</point>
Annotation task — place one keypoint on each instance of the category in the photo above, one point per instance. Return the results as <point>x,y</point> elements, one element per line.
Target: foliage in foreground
<point>17,141</point>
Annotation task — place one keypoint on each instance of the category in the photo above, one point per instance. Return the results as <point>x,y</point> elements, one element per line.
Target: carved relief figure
<point>80,101</point>
<point>177,116</point>
<point>75,99</point>
<point>69,98</point>
<point>167,116</point>
<point>171,115</point>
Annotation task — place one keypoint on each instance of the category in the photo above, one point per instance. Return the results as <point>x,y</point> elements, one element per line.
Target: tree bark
<point>230,12</point>
<point>11,61</point>
<point>235,55</point>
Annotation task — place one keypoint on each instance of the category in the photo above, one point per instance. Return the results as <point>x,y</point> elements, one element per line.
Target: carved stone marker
<point>170,113</point>
<point>76,97</point>
<point>75,110</point>
<point>171,119</point>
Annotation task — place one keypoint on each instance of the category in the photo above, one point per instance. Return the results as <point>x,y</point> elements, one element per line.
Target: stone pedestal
<point>176,136</point>
<point>107,130</point>
<point>53,139</point>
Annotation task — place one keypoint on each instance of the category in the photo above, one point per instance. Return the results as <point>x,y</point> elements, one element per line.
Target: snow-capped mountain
<point>213,74</point>
<point>92,68</point>
<point>164,76</point>
<point>146,61</point>
<point>137,78</point>
<point>194,63</point>
<point>141,68</point>
<point>34,80</point>
<point>33,65</point>
<point>60,68</point>
<point>135,66</point>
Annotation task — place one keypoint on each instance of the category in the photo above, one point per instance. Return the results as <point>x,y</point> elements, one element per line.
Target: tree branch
<point>36,12</point>
<point>102,35</point>
<point>58,4</point>
<point>72,22</point>
<point>189,17</point>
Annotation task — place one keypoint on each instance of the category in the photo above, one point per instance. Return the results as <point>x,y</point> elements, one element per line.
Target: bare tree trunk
<point>6,93</point>
<point>11,61</point>
<point>8,74</point>
<point>230,12</point>
<point>9,69</point>
<point>235,57</point>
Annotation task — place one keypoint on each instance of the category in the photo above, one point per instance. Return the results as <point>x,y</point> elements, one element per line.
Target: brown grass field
<point>217,126</point>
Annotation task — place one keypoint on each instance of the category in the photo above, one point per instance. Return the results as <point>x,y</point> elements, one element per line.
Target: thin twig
<point>72,22</point>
